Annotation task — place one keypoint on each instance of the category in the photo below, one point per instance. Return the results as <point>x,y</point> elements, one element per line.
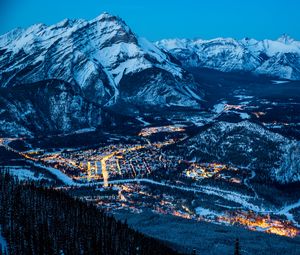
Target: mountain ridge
<point>102,59</point>
<point>275,58</point>
<point>95,54</point>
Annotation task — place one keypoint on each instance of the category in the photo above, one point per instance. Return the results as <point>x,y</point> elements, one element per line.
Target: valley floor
<point>208,238</point>
<point>146,178</point>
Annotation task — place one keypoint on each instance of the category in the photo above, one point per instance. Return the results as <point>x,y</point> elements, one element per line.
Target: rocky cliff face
<point>102,59</point>
<point>45,107</point>
<point>98,55</point>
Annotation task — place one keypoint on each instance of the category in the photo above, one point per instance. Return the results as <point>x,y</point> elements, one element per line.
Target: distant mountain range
<point>280,58</point>
<point>61,78</point>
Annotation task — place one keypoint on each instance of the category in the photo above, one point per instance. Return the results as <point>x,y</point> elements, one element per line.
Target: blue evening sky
<point>157,19</point>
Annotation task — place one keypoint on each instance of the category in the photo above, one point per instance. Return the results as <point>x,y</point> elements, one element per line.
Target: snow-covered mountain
<point>98,55</point>
<point>102,59</point>
<point>280,58</point>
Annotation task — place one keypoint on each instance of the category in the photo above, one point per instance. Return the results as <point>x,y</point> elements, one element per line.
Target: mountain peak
<point>105,16</point>
<point>286,39</point>
<point>103,57</point>
<point>106,19</point>
<point>63,23</point>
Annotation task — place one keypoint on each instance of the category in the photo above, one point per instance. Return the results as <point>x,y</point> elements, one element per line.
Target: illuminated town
<point>140,175</point>
<point>261,223</point>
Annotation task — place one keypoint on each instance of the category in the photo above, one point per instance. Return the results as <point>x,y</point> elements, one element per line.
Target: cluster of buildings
<point>164,129</point>
<point>137,198</point>
<point>261,223</point>
<point>201,171</point>
<point>112,162</point>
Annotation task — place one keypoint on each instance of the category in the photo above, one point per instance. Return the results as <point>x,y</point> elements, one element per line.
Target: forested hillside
<point>37,220</point>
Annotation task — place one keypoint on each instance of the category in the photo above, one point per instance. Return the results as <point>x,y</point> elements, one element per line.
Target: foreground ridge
<point>65,225</point>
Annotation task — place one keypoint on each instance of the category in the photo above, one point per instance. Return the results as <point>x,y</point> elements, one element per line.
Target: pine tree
<point>237,247</point>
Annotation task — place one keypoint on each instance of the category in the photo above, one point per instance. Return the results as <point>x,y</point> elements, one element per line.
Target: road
<point>231,196</point>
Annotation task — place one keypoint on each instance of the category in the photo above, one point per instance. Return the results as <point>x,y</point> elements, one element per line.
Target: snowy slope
<point>280,58</point>
<point>249,145</point>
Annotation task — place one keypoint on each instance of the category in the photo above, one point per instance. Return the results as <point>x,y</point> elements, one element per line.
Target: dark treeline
<point>37,220</point>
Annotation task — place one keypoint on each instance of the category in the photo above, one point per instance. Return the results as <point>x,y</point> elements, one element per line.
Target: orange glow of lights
<point>264,223</point>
